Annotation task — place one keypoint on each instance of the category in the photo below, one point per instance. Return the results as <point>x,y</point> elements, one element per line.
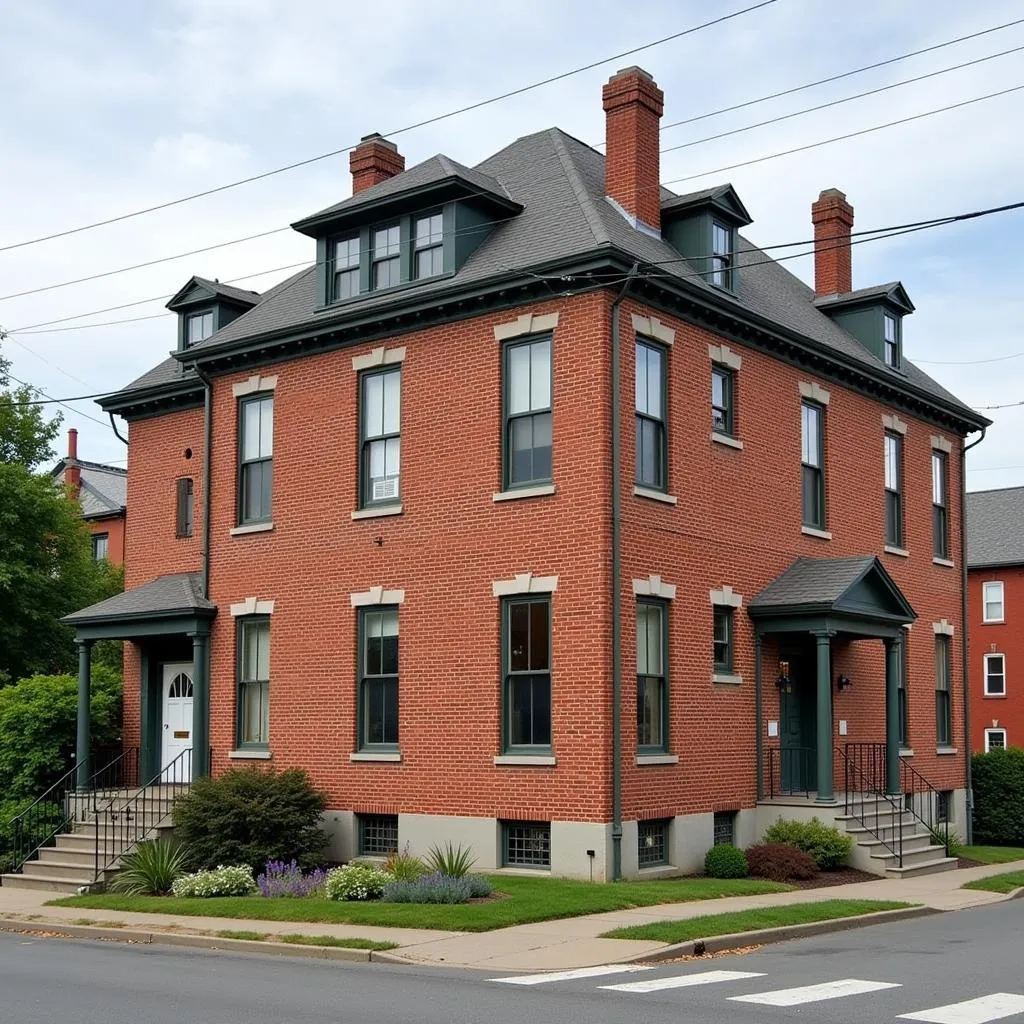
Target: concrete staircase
<point>876,829</point>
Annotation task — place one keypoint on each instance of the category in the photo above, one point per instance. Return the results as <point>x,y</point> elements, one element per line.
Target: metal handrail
<point>857,780</point>
<point>913,783</point>
<point>794,757</point>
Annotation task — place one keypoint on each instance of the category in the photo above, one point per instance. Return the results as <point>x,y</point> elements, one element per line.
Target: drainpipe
<point>965,655</point>
<point>113,427</point>
<point>207,438</point>
<point>617,585</point>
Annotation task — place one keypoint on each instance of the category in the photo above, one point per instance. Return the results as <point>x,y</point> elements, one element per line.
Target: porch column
<point>893,667</point>
<point>200,705</point>
<point>82,767</point>
<point>824,675</point>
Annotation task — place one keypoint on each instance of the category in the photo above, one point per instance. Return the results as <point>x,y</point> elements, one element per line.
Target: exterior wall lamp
<point>785,681</point>
<point>843,683</point>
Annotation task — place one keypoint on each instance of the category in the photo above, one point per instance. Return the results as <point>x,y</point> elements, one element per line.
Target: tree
<point>25,435</point>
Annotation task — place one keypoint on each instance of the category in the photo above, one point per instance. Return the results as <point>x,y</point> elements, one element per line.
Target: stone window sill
<point>240,531</point>
<point>526,760</point>
<point>891,549</point>
<point>813,531</point>
<point>249,755</point>
<point>376,755</point>
<point>658,871</point>
<point>726,440</point>
<point>906,752</point>
<point>994,696</point>
<point>643,759</point>
<point>944,561</point>
<point>726,678</point>
<point>647,492</point>
<point>947,751</point>
<point>993,622</point>
<point>540,491</point>
<point>378,512</point>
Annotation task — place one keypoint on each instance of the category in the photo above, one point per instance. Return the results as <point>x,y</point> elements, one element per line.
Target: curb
<point>212,942</point>
<point>723,943</point>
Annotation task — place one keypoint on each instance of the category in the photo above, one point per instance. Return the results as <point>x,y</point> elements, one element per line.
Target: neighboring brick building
<point>995,601</point>
<point>584,449</point>
<point>102,493</point>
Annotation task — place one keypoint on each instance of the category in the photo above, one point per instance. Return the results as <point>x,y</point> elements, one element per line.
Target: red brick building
<point>651,522</point>
<point>995,599</point>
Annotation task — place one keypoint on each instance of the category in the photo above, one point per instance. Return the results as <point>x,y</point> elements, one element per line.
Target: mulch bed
<point>966,862</point>
<point>843,876</point>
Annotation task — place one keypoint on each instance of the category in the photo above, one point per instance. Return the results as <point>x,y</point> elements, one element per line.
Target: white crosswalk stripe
<point>574,975</point>
<point>972,1011</point>
<point>815,993</point>
<point>683,981</point>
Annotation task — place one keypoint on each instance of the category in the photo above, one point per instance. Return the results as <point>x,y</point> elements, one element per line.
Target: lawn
<point>524,900</point>
<point>991,854</point>
<point>1006,882</point>
<point>308,940</point>
<point>751,920</point>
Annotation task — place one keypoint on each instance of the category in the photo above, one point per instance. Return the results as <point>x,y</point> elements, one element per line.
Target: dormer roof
<point>892,294</point>
<point>723,198</point>
<point>198,290</point>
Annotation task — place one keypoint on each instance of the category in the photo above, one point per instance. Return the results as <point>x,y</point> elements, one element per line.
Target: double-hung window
<point>346,267</point>
<point>256,452</point>
<point>527,626</point>
<point>386,269</point>
<point>723,415</point>
<point>722,640</point>
<point>378,678</point>
<point>427,241</point>
<point>721,255</point>
<point>651,691</point>
<point>184,507</point>
<point>253,682</point>
<point>940,505</point>
<point>992,600</point>
<point>200,327</point>
<point>812,458</point>
<point>650,415</point>
<point>893,489</point>
<point>995,675</point>
<point>891,341</point>
<point>995,739</point>
<point>380,439</point>
<point>528,413</point>
<point>100,546</point>
<point>943,672</point>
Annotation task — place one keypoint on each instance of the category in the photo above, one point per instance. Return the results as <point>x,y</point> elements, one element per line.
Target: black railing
<point>124,821</point>
<point>867,802</point>
<point>923,801</point>
<point>790,771</point>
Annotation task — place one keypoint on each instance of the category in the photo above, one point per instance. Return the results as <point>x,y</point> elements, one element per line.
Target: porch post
<point>200,705</point>
<point>893,667</point>
<point>82,767</point>
<point>825,789</point>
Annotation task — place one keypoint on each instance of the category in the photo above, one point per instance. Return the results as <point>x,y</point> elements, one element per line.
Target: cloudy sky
<point>110,107</point>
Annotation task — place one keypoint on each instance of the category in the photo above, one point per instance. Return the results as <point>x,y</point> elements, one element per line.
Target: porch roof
<point>852,594</point>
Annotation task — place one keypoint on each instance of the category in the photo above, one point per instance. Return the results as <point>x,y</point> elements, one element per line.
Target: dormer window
<point>429,249</point>
<point>200,327</point>
<point>721,255</point>
<point>387,260</point>
<point>892,341</point>
<point>346,267</point>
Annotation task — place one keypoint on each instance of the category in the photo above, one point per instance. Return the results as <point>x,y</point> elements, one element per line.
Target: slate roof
<point>229,291</point>
<point>995,527</point>
<point>559,181</point>
<point>166,595</point>
<point>812,581</point>
<point>104,489</point>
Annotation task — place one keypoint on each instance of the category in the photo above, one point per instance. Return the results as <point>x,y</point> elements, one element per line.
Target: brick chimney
<point>832,217</point>
<point>633,105</point>
<point>374,160</point>
<point>72,471</point>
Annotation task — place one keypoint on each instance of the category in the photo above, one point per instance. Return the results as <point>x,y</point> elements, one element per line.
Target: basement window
<point>652,842</point>
<point>526,844</point>
<point>378,835</point>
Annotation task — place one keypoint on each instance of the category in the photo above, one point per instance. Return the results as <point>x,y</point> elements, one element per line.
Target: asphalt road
<point>974,959</point>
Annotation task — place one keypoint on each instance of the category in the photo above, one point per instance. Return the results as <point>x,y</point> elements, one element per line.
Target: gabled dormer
<point>702,227</point>
<point>400,227</point>
<point>204,307</point>
<point>874,316</point>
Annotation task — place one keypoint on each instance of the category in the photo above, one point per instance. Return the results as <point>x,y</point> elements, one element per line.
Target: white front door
<point>177,731</point>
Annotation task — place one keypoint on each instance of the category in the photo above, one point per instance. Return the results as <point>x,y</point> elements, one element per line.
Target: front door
<point>177,730</point>
<point>798,724</point>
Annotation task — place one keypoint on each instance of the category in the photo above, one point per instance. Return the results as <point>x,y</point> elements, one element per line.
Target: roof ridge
<point>572,174</point>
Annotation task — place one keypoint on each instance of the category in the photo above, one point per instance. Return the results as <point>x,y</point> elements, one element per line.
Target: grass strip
<point>991,854</point>
<point>250,936</point>
<point>1006,882</point>
<point>331,940</point>
<point>751,920</point>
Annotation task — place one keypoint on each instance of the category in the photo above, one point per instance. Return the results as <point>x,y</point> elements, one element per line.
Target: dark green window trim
<point>378,834</point>
<point>940,504</point>
<point>812,460</point>
<point>943,681</point>
<point>892,348</point>
<point>526,674</point>
<point>651,676</point>
<point>722,254</point>
<point>651,388</point>
<point>527,412</point>
<point>723,400</point>
<point>380,440</point>
<point>428,245</point>
<point>902,693</point>
<point>652,842</point>
<point>722,643</point>
<point>252,697</point>
<point>526,844</point>
<point>893,489</point>
<point>255,458</point>
<point>202,319</point>
<point>100,546</point>
<point>184,507</point>
<point>346,273</point>
<point>378,675</point>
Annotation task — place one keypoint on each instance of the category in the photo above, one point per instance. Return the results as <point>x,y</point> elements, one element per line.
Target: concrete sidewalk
<point>547,945</point>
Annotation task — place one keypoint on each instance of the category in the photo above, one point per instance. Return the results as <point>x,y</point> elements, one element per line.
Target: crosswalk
<point>977,1010</point>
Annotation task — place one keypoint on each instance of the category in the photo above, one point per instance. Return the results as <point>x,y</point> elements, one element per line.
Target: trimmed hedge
<point>725,861</point>
<point>998,782</point>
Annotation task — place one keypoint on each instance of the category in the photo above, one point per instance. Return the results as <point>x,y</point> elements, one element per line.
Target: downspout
<point>207,438</point>
<point>617,585</point>
<point>964,653</point>
<point>117,433</point>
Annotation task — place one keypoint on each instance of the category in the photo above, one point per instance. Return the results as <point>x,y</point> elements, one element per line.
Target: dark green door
<point>798,732</point>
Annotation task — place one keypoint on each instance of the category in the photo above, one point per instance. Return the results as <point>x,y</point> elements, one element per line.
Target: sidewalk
<point>547,945</point>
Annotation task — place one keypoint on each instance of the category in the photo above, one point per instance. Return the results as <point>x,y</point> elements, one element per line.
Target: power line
<point>85,327</point>
<point>57,401</point>
<point>968,362</point>
<point>1007,405</point>
<point>398,131</point>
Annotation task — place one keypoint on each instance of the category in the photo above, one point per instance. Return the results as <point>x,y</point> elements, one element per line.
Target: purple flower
<point>281,879</point>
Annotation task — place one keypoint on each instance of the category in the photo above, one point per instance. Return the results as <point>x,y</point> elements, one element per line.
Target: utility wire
<point>968,362</point>
<point>398,131</point>
<point>57,401</point>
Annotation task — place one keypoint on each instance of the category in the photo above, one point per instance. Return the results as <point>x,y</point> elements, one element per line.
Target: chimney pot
<point>374,160</point>
<point>633,106</point>
<point>832,217</point>
<point>72,471</point>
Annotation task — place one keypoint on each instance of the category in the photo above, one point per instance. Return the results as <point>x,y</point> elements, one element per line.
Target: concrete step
<point>927,867</point>
<point>47,867</point>
<point>922,855</point>
<point>62,855</point>
<point>48,884</point>
<point>883,844</point>
<point>876,821</point>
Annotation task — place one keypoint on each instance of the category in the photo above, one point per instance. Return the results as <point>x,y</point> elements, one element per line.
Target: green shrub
<point>998,782</point>
<point>221,881</point>
<point>357,882</point>
<point>779,862</point>
<point>827,845</point>
<point>726,861</point>
<point>404,866</point>
<point>249,816</point>
<point>453,861</point>
<point>150,869</point>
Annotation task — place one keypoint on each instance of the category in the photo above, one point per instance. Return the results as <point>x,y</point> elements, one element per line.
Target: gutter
<point>617,583</point>
<point>964,653</point>
<point>204,587</point>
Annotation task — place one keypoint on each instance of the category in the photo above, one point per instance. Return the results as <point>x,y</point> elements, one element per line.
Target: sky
<point>110,107</point>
